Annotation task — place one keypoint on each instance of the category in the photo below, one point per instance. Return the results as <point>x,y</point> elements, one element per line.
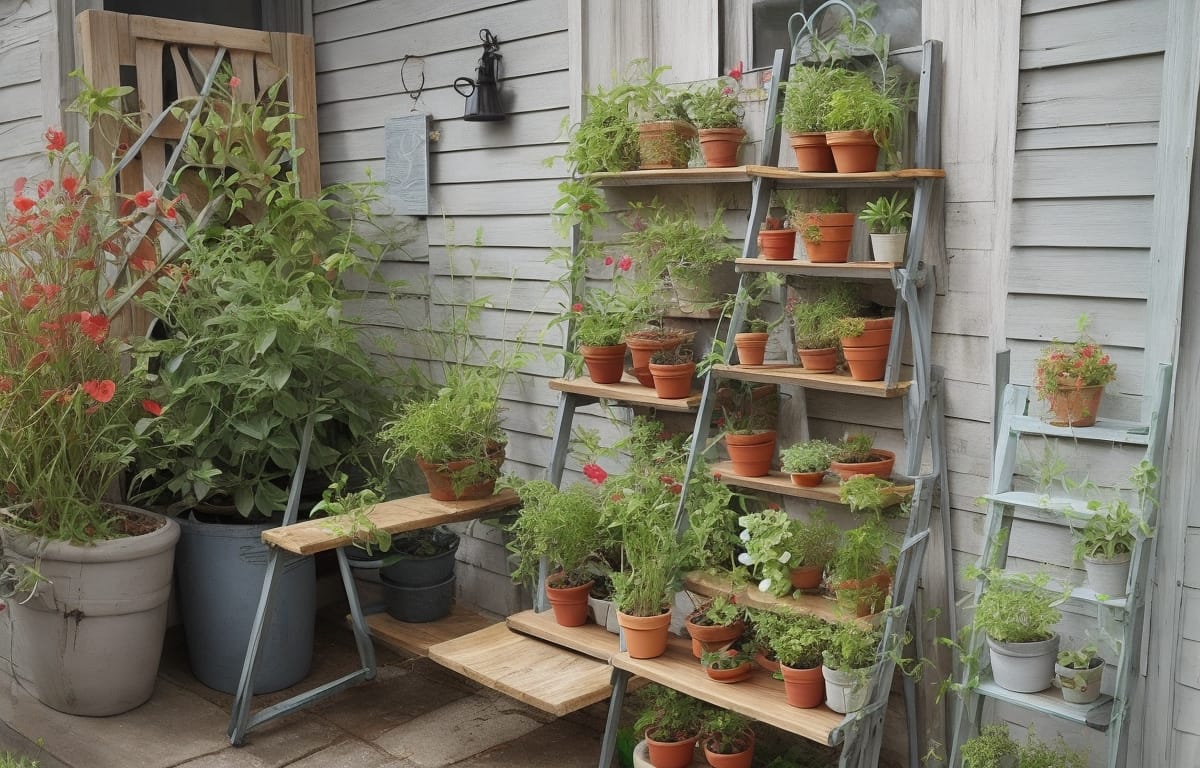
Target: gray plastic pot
<point>418,605</point>
<point>1080,686</point>
<point>1024,667</point>
<point>1108,577</point>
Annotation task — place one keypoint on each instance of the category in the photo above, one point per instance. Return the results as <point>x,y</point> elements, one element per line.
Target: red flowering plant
<point>1069,365</point>
<point>74,406</point>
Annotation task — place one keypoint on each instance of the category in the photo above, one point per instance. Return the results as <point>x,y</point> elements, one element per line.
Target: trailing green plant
<point>769,539</point>
<point>716,106</point>
<point>886,215</point>
<point>809,456</point>
<point>605,140</point>
<point>816,321</point>
<point>851,646</point>
<point>667,714</point>
<point>801,641</point>
<point>725,732</point>
<point>347,515</point>
<point>1078,658</point>
<point>1015,607</point>
<point>564,526</point>
<point>992,748</point>
<point>660,239</point>
<point>866,493</point>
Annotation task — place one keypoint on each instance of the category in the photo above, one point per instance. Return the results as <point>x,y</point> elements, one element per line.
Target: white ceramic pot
<point>1024,667</point>
<point>888,247</point>
<point>847,691</point>
<point>1108,577</point>
<point>604,613</point>
<point>1080,686</point>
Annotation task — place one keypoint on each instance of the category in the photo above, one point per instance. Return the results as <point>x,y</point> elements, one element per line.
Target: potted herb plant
<point>805,114</point>
<point>816,323</point>
<point>828,231</point>
<point>859,572</point>
<point>807,462</point>
<point>670,721</point>
<point>85,580</point>
<point>769,538</point>
<point>799,647</point>
<point>715,625</point>
<point>776,237</point>
<point>665,131</point>
<point>992,748</point>
<point>763,627</point>
<point>727,738</point>
<point>886,217</point>
<point>849,664</point>
<point>815,541</point>
<point>857,455</point>
<point>600,322</point>
<point>717,114</point>
<point>1078,674</point>
<point>866,494</point>
<point>1105,541</point>
<point>644,342</point>
<point>1017,613</point>
<point>866,342</point>
<point>731,665</point>
<point>1071,378</point>
<point>606,139</point>
<point>673,371</point>
<point>566,528</point>
<point>861,118</point>
<point>749,437</point>
<point>697,258</point>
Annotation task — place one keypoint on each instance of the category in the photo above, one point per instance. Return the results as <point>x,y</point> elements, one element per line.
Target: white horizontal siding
<point>28,86</point>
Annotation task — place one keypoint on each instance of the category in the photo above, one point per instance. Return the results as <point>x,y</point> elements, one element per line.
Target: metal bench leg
<point>358,622</point>
<point>245,691</point>
<point>608,747</point>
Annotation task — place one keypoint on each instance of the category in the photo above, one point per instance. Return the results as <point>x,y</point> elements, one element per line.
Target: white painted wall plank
<point>1107,272</point>
<point>1119,134</point>
<point>1092,33</point>
<point>1084,172</point>
<point>1106,223</point>
<point>454,135</point>
<point>1123,91</point>
<point>509,231</point>
<point>364,18</point>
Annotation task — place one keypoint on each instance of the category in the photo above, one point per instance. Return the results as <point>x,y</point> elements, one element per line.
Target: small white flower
<point>745,559</point>
<point>785,557</point>
<point>744,535</point>
<point>764,585</point>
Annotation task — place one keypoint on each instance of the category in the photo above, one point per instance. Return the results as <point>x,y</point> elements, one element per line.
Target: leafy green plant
<point>807,95</point>
<point>727,659</point>
<point>1110,532</point>
<point>992,748</point>
<point>858,104</point>
<point>718,612</point>
<point>564,526</point>
<point>800,642</point>
<point>815,540</point>
<point>866,493</point>
<point>864,552</point>
<point>667,714</point>
<point>769,539</point>
<point>9,760</point>
<point>1038,754</point>
<point>1078,658</point>
<point>1015,607</point>
<point>605,140</point>
<point>816,321</point>
<point>886,215</point>
<point>851,646</point>
<point>726,733</point>
<point>809,456</point>
<point>663,241</point>
<point>716,106</point>
<point>347,515</point>
<point>640,508</point>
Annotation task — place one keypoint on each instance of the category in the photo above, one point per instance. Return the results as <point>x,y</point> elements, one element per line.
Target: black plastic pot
<point>409,570</point>
<point>417,605</point>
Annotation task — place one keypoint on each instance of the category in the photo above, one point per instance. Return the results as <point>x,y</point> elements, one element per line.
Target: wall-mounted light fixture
<point>483,98</point>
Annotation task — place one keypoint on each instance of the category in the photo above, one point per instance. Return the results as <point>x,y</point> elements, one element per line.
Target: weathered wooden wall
<point>29,75</point>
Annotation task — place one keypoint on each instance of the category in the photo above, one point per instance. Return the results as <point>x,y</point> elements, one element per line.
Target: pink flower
<point>101,391</point>
<point>608,261</point>
<point>577,307</point>
<point>736,72</point>
<point>727,91</point>
<point>44,186</point>
<point>19,185</point>
<point>595,473</point>
<point>235,81</point>
<point>625,263</point>
<point>56,140</point>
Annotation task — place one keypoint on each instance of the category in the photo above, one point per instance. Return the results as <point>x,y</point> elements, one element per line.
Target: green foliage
<point>718,612</point>
<point>9,760</point>
<point>816,321</point>
<point>1015,607</point>
<point>727,659</point>
<point>1038,754</point>
<point>807,96</point>
<point>801,641</point>
<point>606,139</point>
<point>667,714</point>
<point>815,540</point>
<point>1110,532</point>
<point>640,508</point>
<point>866,493</point>
<point>858,104</point>
<point>563,526</point>
<point>809,456</point>
<point>864,552</point>
<point>851,646</point>
<point>725,732</point>
<point>716,106</point>
<point>347,515</point>
<point>769,539</point>
<point>855,448</point>
<point>1078,658</point>
<point>990,748</point>
<point>886,215</point>
<point>659,239</point>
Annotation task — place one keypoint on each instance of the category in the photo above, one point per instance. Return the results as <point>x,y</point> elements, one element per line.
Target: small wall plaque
<point>406,165</point>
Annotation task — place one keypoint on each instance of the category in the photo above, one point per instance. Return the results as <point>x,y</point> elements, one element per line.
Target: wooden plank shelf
<point>850,270</point>
<point>786,178</point>
<point>553,679</point>
<point>416,639</point>
<point>1049,702</point>
<point>809,604</point>
<point>590,639</point>
<point>758,697</point>
<point>396,516</point>
<point>671,176</point>
<point>1106,430</point>
<point>793,375</point>
<point>781,483</point>
<point>628,391</point>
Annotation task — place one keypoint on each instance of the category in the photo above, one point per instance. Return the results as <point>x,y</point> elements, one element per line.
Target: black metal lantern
<point>483,98</point>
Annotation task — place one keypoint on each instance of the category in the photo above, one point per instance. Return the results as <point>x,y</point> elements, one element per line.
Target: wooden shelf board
<point>781,483</point>
<point>590,639</point>
<point>809,604</point>
<point>545,676</point>
<point>1048,702</point>
<point>416,639</point>
<point>671,176</point>
<point>713,584</point>
<point>793,375</point>
<point>862,270</point>
<point>792,177</point>
<point>757,697</point>
<point>396,516</point>
<point>1106,430</point>
<point>627,391</point>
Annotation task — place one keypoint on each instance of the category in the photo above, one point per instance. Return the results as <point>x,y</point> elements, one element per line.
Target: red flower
<point>235,81</point>
<point>736,72</point>
<point>44,186</point>
<point>716,475</point>
<point>23,204</point>
<point>6,384</point>
<point>84,264</point>
<point>101,391</point>
<point>143,263</point>
<point>71,185</point>
<point>625,263</point>
<point>152,408</point>
<point>56,140</point>
<point>37,361</point>
<point>29,301</point>
<point>50,290</point>
<point>95,327</point>
<point>666,479</point>
<point>676,489</point>
<point>577,307</point>
<point>595,473</point>
<point>608,261</point>
<point>1104,360</point>
<point>144,199</point>
<point>773,506</point>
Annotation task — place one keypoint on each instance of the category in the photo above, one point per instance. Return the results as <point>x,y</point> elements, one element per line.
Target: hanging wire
<point>415,95</point>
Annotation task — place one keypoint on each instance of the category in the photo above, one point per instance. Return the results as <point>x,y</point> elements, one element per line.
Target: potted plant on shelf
<point>696,258</point>
<point>600,323</point>
<point>866,342</point>
<point>799,648</point>
<point>418,574</point>
<point>670,722</point>
<point>644,342</point>
<point>1071,378</point>
<point>1017,613</point>
<point>805,110</point>
<point>1078,674</point>
<point>715,625</point>
<point>727,739</point>
<point>752,343</point>
<point>886,217</point>
<point>866,494</point>
<point>673,371</point>
<point>815,541</point>
<point>860,572</point>
<point>763,628</point>
<point>992,748</point>
<point>665,131</point>
<point>807,462</point>
<point>827,232</point>
<point>85,579</point>
<point>731,665</point>
<point>861,118</point>
<point>776,236</point>
<point>850,661</point>
<point>606,139</point>
<point>717,114</point>
<point>857,455</point>
<point>816,323</point>
<point>768,537</point>
<point>1105,541</point>
<point>748,441</point>
<point>566,528</point>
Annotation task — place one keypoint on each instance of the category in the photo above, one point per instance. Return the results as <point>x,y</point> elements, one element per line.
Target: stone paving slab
<point>557,745</point>
<point>275,744</point>
<point>458,731</point>
<point>398,694</point>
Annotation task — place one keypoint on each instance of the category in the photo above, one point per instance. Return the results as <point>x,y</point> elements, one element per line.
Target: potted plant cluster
<point>600,323</point>
<point>670,722</point>
<point>860,571</point>
<point>85,579</point>
<point>807,462</point>
<point>717,114</point>
<point>696,258</point>
<point>1105,541</point>
<point>849,662</point>
<point>1017,614</point>
<point>799,647</point>
<point>995,748</point>
<point>727,739</point>
<point>827,232</point>
<point>805,106</point>
<point>752,343</point>
<point>1078,674</point>
<point>715,625</point>
<point>857,455</point>
<point>817,325</point>
<point>886,217</point>
<point>664,128</point>
<point>815,542</point>
<point>1071,378</point>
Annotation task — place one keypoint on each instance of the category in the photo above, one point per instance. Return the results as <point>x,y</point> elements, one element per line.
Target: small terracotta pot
<point>876,331</point>
<point>812,153</point>
<point>440,478</point>
<point>664,144</point>
<point>673,382</point>
<point>605,365</point>
<point>777,244</point>
<point>735,675</point>
<point>867,363</point>
<point>642,346</point>
<point>818,360</point>
<point>836,232</point>
<point>804,688</point>
<point>720,146</point>
<point>569,603</point>
<point>875,591</point>
<point>853,151</point>
<point>751,455</point>
<point>671,754</point>
<point>751,347</point>
<point>644,377</point>
<point>807,479</point>
<point>1075,405</point>
<point>806,577</point>
<point>645,636</point>
<point>770,665</point>
<point>882,465</point>
<point>709,638</point>
<point>743,759</point>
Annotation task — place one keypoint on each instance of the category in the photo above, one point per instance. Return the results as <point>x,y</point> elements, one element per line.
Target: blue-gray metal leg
<point>238,723</point>
<point>608,747</point>
<point>358,622</point>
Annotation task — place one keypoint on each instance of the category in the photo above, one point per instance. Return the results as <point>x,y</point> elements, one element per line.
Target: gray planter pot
<point>1024,667</point>
<point>847,691</point>
<point>888,247</point>
<point>89,642</point>
<point>1080,686</point>
<point>604,613</point>
<point>1108,577</point>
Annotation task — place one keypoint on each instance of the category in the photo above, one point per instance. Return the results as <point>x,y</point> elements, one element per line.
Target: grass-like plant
<point>807,96</point>
<point>816,321</point>
<point>992,748</point>
<point>1015,607</point>
<point>564,526</point>
<point>815,541</point>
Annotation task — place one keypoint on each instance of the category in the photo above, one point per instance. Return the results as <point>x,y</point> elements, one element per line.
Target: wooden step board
<point>590,639</point>
<point>537,673</point>
<point>415,639</point>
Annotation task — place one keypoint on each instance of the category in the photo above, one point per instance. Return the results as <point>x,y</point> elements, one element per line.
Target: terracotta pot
<point>735,675</point>
<point>876,331</point>
<point>866,363</point>
<point>1075,405</point>
<point>751,455</point>
<point>720,146</point>
<point>836,231</point>
<point>777,244</point>
<point>440,478</point>
<point>605,365</point>
<point>664,144</point>
<point>709,638</point>
<point>643,345</point>
<point>818,360</point>
<point>806,576</point>
<point>804,688</point>
<point>570,604</point>
<point>871,593</point>
<point>671,754</point>
<point>881,466</point>
<point>645,636</point>
<point>812,153</point>
<point>673,382</point>
<point>751,347</point>
<point>807,479</point>
<point>853,151</point>
<point>743,759</point>
<point>770,665</point>
<point>644,377</point>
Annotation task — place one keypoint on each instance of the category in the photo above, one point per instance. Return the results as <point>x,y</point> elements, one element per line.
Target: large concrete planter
<point>1024,667</point>
<point>89,640</point>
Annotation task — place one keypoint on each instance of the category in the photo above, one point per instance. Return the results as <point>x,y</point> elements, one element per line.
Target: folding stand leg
<point>245,691</point>
<point>362,634</point>
<point>608,747</point>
